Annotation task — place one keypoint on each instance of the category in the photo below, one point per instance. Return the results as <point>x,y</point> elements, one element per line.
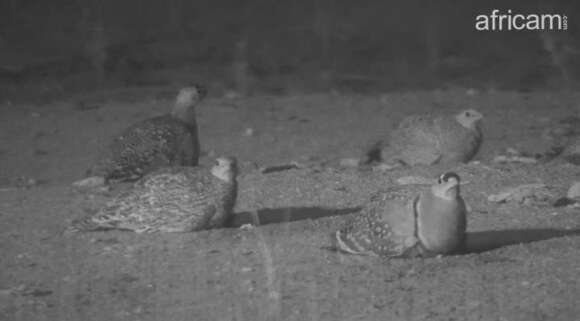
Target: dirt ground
<point>523,261</point>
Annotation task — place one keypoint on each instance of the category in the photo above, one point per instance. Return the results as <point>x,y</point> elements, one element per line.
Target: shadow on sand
<point>287,214</point>
<point>478,242</point>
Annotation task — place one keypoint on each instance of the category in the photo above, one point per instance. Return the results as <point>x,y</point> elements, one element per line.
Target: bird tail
<point>84,224</point>
<point>343,241</point>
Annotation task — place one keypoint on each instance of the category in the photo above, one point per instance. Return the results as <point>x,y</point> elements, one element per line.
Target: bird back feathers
<point>385,227</point>
<point>167,140</point>
<point>173,199</point>
<point>427,139</point>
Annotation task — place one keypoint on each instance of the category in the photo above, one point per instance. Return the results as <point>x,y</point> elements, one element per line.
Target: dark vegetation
<point>272,46</point>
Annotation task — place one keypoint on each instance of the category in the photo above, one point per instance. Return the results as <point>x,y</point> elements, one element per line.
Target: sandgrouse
<point>428,140</point>
<point>166,140</point>
<point>171,199</point>
<point>408,221</point>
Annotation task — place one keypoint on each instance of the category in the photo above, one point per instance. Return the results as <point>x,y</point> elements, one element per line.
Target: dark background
<point>276,46</point>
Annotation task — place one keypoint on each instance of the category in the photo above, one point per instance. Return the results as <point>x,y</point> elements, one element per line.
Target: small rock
<point>19,183</point>
<point>247,227</point>
<point>512,151</point>
<point>247,252</point>
<point>249,132</point>
<point>572,198</point>
<point>279,168</point>
<point>514,159</point>
<point>524,194</point>
<point>90,182</point>
<point>513,155</point>
<point>471,92</point>
<point>384,167</point>
<point>232,94</point>
<point>574,191</point>
<point>525,283</point>
<point>350,162</point>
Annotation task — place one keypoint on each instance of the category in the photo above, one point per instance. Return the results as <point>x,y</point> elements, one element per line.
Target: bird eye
<point>468,114</point>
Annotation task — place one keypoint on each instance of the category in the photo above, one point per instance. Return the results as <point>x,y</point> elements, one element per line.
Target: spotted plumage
<point>171,199</point>
<point>166,140</point>
<point>428,140</point>
<point>408,221</point>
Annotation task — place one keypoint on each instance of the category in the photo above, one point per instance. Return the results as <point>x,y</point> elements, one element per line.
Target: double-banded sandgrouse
<point>166,140</point>
<point>408,221</point>
<point>171,199</point>
<point>429,139</point>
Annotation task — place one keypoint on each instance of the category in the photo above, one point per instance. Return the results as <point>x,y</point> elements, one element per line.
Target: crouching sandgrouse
<point>171,199</point>
<point>166,140</point>
<point>428,140</point>
<point>408,221</point>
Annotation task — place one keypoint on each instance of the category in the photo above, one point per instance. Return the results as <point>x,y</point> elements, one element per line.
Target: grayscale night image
<point>289,160</point>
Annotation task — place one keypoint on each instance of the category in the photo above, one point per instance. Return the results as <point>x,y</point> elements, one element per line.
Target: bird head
<point>447,186</point>
<point>185,102</point>
<point>469,118</point>
<point>226,168</point>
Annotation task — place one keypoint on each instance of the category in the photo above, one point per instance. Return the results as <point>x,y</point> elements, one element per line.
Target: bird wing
<point>166,197</point>
<point>414,141</point>
<point>116,214</point>
<point>394,224</point>
<point>386,226</point>
<point>186,197</point>
<point>456,143</point>
<point>146,145</point>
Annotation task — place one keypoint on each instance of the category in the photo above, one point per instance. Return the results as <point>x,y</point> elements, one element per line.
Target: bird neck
<point>223,174</point>
<point>185,112</point>
<point>470,124</point>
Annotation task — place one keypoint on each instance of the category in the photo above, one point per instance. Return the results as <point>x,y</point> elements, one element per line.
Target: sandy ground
<point>282,269</point>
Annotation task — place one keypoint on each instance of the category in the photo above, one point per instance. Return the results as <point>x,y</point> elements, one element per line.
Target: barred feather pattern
<point>175,199</point>
<point>149,145</point>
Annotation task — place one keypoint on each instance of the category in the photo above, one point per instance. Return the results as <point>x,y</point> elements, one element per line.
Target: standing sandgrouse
<point>166,140</point>
<point>428,140</point>
<point>408,221</point>
<point>171,199</point>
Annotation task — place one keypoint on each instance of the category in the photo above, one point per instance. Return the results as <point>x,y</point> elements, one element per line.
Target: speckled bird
<point>166,140</point>
<point>408,221</point>
<point>428,140</point>
<point>171,199</point>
